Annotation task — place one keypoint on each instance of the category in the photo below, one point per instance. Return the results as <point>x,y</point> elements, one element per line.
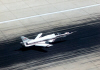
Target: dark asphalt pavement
<point>79,43</point>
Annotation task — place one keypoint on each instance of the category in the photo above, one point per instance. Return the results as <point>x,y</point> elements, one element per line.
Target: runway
<point>84,41</point>
<point>79,51</point>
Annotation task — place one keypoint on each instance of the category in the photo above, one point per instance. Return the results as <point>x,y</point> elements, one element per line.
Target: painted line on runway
<point>50,13</point>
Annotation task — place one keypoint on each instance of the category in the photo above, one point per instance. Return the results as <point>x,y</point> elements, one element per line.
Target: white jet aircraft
<point>42,41</point>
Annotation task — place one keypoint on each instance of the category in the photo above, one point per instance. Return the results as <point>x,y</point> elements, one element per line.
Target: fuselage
<point>42,39</point>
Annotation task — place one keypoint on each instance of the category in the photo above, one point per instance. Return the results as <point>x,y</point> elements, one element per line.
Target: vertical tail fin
<point>24,38</point>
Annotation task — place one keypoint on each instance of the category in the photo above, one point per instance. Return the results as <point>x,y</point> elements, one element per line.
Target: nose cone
<point>67,33</point>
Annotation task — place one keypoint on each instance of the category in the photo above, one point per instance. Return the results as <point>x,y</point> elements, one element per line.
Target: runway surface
<point>79,51</point>
<point>84,41</point>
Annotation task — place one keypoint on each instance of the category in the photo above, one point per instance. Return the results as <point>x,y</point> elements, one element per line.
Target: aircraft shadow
<point>36,48</point>
<point>58,41</point>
